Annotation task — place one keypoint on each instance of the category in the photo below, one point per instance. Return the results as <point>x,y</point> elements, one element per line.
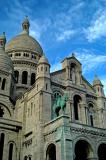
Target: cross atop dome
<point>26,25</point>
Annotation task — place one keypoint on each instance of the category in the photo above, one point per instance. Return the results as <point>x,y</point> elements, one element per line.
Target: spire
<point>2,41</point>
<point>26,25</point>
<point>73,54</point>
<point>96,81</point>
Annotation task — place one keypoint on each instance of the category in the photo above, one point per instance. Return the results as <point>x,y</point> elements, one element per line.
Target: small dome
<point>43,59</point>
<point>24,42</point>
<point>96,81</point>
<point>5,62</point>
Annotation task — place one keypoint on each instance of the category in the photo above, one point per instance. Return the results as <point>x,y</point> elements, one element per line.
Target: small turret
<point>43,74</point>
<point>43,69</point>
<point>26,25</point>
<point>98,86</point>
<point>43,87</point>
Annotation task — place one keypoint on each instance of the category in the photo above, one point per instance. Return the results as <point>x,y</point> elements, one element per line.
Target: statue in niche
<point>72,74</point>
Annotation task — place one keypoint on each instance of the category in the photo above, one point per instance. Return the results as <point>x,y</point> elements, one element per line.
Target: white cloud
<point>97,28</point>
<point>63,23</point>
<point>65,35</point>
<point>55,67</point>
<point>90,60</point>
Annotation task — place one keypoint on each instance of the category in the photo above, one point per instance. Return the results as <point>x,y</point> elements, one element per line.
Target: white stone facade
<point>48,116</point>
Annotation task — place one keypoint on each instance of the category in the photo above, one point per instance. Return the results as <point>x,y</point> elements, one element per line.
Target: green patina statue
<point>60,104</point>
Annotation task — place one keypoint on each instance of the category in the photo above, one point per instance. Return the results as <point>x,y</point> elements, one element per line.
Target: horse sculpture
<point>60,104</point>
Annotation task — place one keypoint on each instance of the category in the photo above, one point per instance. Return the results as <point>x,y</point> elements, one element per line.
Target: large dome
<point>24,42</point>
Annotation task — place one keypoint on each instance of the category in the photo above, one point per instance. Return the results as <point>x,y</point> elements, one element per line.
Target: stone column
<point>29,78</point>
<point>82,114</point>
<point>20,77</point>
<point>68,108</point>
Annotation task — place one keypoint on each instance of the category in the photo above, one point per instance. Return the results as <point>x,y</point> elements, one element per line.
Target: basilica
<point>44,115</point>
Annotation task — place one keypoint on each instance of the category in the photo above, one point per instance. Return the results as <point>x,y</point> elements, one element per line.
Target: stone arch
<point>100,155</point>
<point>11,150</point>
<point>4,111</point>
<point>46,147</point>
<point>77,93</point>
<point>102,151</point>
<point>51,152</point>
<point>10,156</point>
<point>83,149</point>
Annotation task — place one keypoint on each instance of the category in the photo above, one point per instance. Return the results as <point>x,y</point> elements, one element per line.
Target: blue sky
<point>62,27</point>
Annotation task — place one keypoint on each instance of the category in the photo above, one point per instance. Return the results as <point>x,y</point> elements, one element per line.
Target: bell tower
<point>43,86</point>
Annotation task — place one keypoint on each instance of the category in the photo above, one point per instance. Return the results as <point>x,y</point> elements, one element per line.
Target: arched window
<point>83,150</point>
<point>51,152</point>
<point>102,152</point>
<point>3,84</point>
<point>77,100</point>
<point>32,78</point>
<point>1,145</point>
<point>91,114</point>
<point>16,73</point>
<point>10,151</point>
<point>24,77</point>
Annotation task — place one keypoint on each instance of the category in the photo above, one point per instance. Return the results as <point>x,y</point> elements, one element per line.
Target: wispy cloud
<point>65,35</point>
<point>64,22</point>
<point>97,28</point>
<point>90,60</point>
<point>38,28</point>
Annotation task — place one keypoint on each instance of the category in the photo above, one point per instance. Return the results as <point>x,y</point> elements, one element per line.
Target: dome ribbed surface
<point>24,42</point>
<point>5,62</point>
